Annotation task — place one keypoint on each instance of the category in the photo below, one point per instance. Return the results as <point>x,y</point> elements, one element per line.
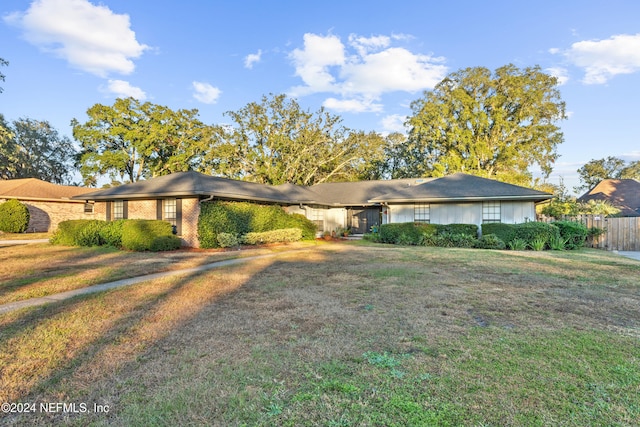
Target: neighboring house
<point>624,194</point>
<point>48,204</point>
<point>457,198</point>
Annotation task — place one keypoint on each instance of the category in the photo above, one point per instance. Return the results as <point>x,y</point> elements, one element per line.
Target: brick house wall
<point>46,215</point>
<point>149,209</point>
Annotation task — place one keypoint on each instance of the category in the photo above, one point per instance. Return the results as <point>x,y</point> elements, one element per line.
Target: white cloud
<point>394,123</point>
<point>206,93</point>
<point>312,63</point>
<point>562,74</point>
<point>604,59</point>
<point>362,71</point>
<point>252,58</point>
<point>123,89</point>
<point>90,38</point>
<point>352,105</point>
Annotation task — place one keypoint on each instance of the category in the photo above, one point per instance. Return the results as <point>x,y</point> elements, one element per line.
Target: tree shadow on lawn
<point>81,340</point>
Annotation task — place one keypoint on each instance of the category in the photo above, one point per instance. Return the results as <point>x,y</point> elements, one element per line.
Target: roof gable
<point>459,187</point>
<point>621,193</point>
<point>36,189</point>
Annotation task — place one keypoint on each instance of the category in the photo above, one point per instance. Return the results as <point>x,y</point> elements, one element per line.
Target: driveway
<point>629,254</point>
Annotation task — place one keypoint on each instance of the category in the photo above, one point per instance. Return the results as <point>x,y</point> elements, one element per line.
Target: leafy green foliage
<point>517,244</point>
<point>130,140</point>
<point>241,218</point>
<point>131,234</point>
<point>535,232</point>
<point>573,233</point>
<point>34,149</point>
<point>275,142</point>
<point>227,240</point>
<point>148,235</point>
<point>14,216</point>
<point>490,241</point>
<point>607,168</point>
<point>505,232</point>
<point>407,233</point>
<point>274,236</point>
<point>493,125</point>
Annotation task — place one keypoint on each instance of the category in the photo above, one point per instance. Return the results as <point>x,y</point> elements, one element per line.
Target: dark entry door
<point>363,219</point>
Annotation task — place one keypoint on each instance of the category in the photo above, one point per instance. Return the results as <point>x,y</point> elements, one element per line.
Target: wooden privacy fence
<point>620,234</point>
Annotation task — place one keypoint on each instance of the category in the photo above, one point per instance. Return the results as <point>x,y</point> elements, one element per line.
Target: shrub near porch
<point>242,218</point>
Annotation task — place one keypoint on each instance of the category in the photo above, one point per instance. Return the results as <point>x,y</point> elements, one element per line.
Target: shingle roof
<point>362,193</point>
<point>197,184</point>
<point>462,187</point>
<point>36,189</point>
<point>621,193</point>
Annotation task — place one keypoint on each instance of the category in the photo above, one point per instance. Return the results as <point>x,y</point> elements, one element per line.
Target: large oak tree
<point>34,149</point>
<point>129,141</point>
<point>276,141</point>
<point>498,125</point>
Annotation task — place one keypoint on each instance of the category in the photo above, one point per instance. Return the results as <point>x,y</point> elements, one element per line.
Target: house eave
<point>461,199</point>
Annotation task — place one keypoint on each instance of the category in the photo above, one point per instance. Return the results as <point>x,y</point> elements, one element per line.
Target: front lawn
<point>345,334</point>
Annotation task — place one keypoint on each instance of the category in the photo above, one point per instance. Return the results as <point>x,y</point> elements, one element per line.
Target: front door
<point>363,219</point>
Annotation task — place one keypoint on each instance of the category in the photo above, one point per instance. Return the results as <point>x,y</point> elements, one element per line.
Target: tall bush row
<point>130,234</point>
<point>533,235</point>
<point>241,218</point>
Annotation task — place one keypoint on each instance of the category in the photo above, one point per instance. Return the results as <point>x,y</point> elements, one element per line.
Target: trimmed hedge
<point>537,231</point>
<point>446,235</point>
<point>405,233</point>
<point>69,232</point>
<point>131,234</point>
<point>14,216</point>
<point>273,236</point>
<point>149,235</point>
<point>505,232</point>
<point>241,218</point>
<point>573,233</point>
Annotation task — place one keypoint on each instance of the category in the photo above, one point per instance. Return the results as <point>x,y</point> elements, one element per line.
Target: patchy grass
<point>37,270</point>
<point>24,236</point>
<point>343,335</point>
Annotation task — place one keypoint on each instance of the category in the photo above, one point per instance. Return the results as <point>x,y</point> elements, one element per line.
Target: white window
<point>317,217</point>
<point>169,209</point>
<point>118,209</point>
<point>490,212</point>
<point>421,212</point>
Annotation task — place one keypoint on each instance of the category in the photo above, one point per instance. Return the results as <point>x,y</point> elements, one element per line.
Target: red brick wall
<point>45,216</point>
<point>147,209</point>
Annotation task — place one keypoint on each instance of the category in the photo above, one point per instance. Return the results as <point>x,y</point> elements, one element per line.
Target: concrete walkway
<point>22,242</point>
<point>12,306</point>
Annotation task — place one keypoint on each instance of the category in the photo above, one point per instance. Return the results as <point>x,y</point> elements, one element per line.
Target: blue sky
<point>363,60</point>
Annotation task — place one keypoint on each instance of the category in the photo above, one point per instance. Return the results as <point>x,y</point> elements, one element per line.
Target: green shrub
<point>240,218</point>
<point>517,245</point>
<point>574,233</point>
<point>14,217</point>
<point>505,232</point>
<point>459,229</point>
<point>308,228</point>
<point>90,233</point>
<point>165,243</point>
<point>284,235</point>
<point>111,233</point>
<point>557,243</point>
<point>406,233</point>
<point>142,235</point>
<point>490,241</point>
<point>534,232</point>
<point>227,240</point>
<point>68,232</point>
<point>538,244</point>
